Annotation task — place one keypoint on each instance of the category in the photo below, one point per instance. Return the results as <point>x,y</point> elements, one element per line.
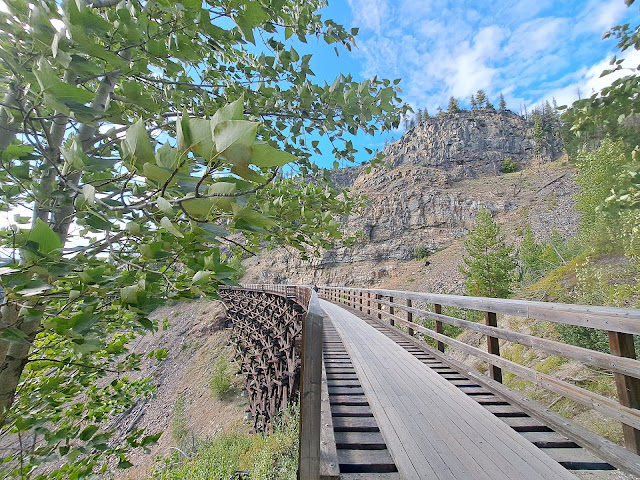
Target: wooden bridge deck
<point>431,428</point>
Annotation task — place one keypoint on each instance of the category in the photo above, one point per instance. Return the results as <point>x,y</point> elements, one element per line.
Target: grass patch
<point>272,457</point>
<point>180,431</point>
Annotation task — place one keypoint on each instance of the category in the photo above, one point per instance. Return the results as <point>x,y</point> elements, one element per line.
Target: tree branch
<point>75,364</point>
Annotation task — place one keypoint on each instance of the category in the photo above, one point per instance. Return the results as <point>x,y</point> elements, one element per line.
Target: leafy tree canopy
<point>156,132</point>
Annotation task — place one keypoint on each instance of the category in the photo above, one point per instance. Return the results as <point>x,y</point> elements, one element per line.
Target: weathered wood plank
<point>628,388</point>
<point>438,445</point>
<point>605,405</point>
<point>613,363</point>
<point>605,318</point>
<point>369,461</point>
<point>605,449</point>
<point>329,468</point>
<point>311,392</point>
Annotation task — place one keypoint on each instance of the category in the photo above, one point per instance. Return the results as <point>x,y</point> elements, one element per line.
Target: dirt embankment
<point>195,337</point>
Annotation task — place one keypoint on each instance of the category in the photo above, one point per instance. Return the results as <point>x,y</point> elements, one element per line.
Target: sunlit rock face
<point>426,192</point>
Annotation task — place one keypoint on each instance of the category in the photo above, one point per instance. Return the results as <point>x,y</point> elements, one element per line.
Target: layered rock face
<point>472,143</point>
<point>428,191</point>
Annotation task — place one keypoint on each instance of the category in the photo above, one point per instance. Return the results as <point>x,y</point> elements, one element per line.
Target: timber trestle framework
<point>266,332</point>
<point>278,334</point>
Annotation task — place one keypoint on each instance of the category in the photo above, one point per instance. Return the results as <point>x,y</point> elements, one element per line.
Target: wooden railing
<point>311,455</point>
<point>620,324</point>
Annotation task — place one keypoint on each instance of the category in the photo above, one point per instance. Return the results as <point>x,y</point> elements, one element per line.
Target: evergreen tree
<point>489,105</point>
<point>530,256</point>
<point>419,117</point>
<point>454,106</point>
<point>538,131</point>
<point>474,104</point>
<point>489,266</point>
<point>481,98</point>
<point>405,121</point>
<point>548,117</point>
<point>412,124</point>
<point>502,104</point>
<point>440,112</point>
<point>425,114</point>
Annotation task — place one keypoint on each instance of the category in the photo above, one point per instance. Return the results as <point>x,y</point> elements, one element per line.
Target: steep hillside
<point>432,183</point>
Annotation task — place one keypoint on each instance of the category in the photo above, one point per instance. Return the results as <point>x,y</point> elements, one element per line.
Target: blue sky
<point>528,50</point>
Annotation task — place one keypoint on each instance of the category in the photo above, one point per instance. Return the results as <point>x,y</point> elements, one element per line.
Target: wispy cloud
<point>527,50</point>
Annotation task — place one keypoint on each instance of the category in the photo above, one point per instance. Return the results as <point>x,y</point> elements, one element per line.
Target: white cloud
<point>599,16</point>
<point>526,49</point>
<point>588,81</point>
<point>535,36</point>
<point>470,68</point>
<point>369,14</point>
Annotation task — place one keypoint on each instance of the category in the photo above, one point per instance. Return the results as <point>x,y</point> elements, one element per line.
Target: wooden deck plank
<point>431,428</point>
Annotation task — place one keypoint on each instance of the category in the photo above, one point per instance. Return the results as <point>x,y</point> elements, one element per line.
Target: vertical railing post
<point>379,297</point>
<point>628,388</point>
<point>437,308</point>
<point>368,303</point>
<point>409,317</point>
<point>493,346</point>
<point>391,321</point>
<point>311,392</point>
<point>361,298</point>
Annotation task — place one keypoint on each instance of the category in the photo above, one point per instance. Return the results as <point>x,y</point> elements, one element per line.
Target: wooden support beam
<point>437,308</point>
<point>409,317</point>
<point>628,388</point>
<point>493,346</point>
<point>379,297</point>
<point>391,320</point>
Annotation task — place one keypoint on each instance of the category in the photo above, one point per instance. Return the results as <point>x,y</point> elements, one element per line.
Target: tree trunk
<point>13,356</point>
<point>8,126</point>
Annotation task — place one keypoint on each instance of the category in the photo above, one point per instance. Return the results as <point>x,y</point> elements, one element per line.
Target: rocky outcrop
<point>427,192</point>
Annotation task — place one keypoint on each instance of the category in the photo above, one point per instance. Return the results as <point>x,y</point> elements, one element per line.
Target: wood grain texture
<point>432,430</point>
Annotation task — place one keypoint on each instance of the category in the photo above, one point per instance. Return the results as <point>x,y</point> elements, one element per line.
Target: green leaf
<point>89,192</point>
<point>201,141</point>
<point>88,432</point>
<point>14,335</point>
<point>62,92</point>
<point>166,223</point>
<point>199,207</point>
<point>234,132</point>
<point>231,111</point>
<point>139,144</point>
<point>47,240</point>
<point>182,132</point>
<point>265,156</point>
<point>155,173</point>
<point>167,157</point>
<point>245,172</point>
<point>129,295</point>
<point>201,277</point>
<point>164,206</point>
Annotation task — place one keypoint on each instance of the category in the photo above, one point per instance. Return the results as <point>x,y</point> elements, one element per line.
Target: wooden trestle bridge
<point>378,402</point>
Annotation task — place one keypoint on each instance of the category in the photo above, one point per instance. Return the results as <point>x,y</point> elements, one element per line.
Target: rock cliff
<point>427,192</point>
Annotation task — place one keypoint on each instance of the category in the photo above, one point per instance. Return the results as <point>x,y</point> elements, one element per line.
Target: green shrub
<point>220,383</point>
<point>263,457</point>
<point>509,166</point>
<point>180,431</point>
<point>421,252</point>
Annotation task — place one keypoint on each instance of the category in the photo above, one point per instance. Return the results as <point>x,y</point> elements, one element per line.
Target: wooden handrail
<point>621,325</point>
